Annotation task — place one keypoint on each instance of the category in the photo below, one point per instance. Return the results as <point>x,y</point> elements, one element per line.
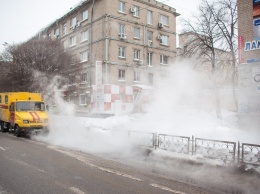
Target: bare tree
<point>225,16</point>
<point>33,64</point>
<point>205,39</point>
<point>5,86</point>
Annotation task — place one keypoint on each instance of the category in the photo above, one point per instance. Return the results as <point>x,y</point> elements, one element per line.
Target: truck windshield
<point>30,106</point>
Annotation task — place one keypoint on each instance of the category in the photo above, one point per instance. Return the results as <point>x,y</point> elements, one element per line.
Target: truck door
<point>12,113</point>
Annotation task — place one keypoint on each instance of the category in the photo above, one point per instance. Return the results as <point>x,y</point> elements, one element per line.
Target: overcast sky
<point>22,19</point>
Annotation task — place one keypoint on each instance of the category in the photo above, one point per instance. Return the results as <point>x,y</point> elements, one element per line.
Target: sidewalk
<point>210,174</point>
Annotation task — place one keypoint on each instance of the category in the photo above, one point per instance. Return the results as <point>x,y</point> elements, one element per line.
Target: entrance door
<point>12,113</point>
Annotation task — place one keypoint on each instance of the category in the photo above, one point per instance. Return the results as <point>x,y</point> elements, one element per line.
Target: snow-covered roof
<point>73,8</point>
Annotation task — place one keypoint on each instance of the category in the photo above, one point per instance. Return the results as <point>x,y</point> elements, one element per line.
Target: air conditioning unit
<point>132,9</point>
<point>140,62</point>
<point>78,24</point>
<point>150,42</point>
<point>158,37</point>
<point>160,25</point>
<point>122,36</point>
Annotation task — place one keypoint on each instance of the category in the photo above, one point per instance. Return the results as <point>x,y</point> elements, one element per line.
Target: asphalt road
<point>28,166</point>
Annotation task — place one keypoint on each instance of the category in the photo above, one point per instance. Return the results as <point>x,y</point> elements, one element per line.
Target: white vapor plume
<point>176,108</point>
<point>179,105</point>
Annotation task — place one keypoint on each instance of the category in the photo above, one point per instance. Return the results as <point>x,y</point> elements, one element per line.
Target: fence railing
<point>142,138</point>
<point>223,150</point>
<point>250,154</point>
<point>179,144</point>
<point>214,149</point>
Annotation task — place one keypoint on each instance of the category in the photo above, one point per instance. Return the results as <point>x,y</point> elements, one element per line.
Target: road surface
<point>28,166</point>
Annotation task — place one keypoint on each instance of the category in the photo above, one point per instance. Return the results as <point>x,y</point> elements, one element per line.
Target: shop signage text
<point>253,45</point>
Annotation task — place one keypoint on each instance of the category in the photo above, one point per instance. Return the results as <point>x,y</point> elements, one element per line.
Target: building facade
<point>115,44</point>
<point>249,57</point>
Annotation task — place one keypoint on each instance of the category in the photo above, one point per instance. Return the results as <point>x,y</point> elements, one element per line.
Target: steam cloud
<point>178,106</point>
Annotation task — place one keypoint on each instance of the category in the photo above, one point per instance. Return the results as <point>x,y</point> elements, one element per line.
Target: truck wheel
<point>17,131</point>
<point>45,131</point>
<point>7,127</point>
<point>3,127</point>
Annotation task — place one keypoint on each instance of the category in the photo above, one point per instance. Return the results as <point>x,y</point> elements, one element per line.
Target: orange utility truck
<point>22,113</point>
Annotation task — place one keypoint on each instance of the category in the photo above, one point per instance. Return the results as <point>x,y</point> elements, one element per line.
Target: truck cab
<point>23,113</point>
<point>27,117</point>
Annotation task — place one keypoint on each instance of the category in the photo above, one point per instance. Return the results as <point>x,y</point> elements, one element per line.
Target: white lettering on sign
<point>99,75</point>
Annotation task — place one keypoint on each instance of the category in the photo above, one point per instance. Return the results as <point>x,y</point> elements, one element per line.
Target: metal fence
<point>250,154</point>
<point>179,144</point>
<point>214,149</point>
<point>142,138</point>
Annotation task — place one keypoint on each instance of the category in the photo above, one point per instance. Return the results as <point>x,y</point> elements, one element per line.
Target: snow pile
<point>85,134</point>
<point>200,124</point>
<point>101,135</point>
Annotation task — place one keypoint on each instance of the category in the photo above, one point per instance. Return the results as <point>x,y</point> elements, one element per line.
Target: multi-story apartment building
<point>249,57</point>
<point>115,44</point>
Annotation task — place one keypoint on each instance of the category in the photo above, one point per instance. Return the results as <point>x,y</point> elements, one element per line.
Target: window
<point>136,32</point>
<point>6,99</point>
<point>84,15</point>
<point>82,99</point>
<point>12,107</point>
<point>121,29</point>
<point>164,20</point>
<point>164,40</point>
<point>121,52</point>
<point>83,56</point>
<point>136,76</point>
<point>149,35</point>
<point>150,59</point>
<point>72,40</point>
<point>25,106</point>
<point>84,36</point>
<point>149,17</point>
<point>163,59</point>
<point>56,32</point>
<point>73,22</point>
<point>83,77</point>
<point>64,29</point>
<point>136,54</point>
<point>121,6</point>
<point>0,99</point>
<point>121,75</point>
<point>136,12</point>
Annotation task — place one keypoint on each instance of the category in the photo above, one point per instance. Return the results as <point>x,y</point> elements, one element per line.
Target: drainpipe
<point>91,43</point>
<point>145,34</point>
<point>106,49</point>
<point>106,58</point>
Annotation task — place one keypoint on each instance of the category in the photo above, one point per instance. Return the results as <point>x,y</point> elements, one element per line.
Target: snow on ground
<point>102,134</point>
